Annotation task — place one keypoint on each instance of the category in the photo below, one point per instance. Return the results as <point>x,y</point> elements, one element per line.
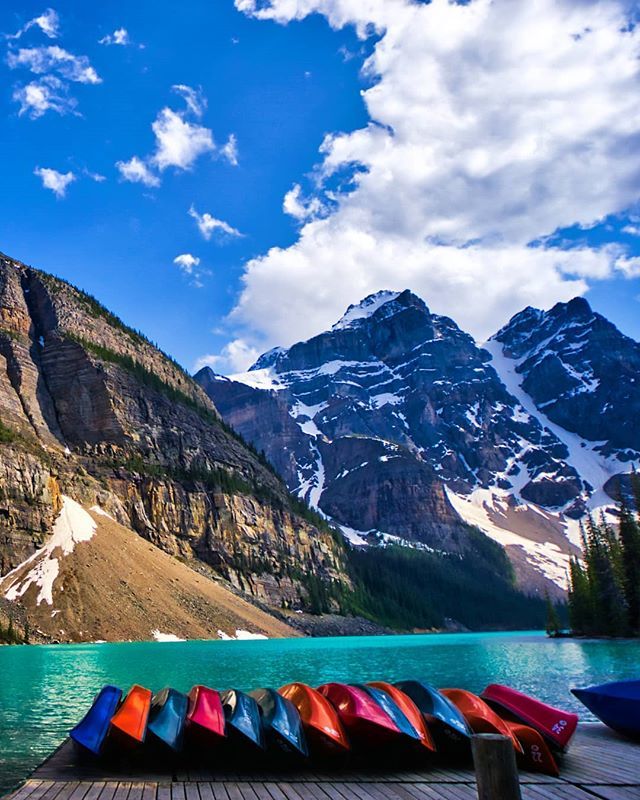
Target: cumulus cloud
<point>230,150</point>
<point>492,125</point>
<point>54,180</point>
<point>57,69</point>
<point>234,357</point>
<point>300,207</point>
<point>136,171</point>
<point>179,140</point>
<point>189,266</point>
<point>46,94</point>
<point>40,60</point>
<point>119,37</point>
<point>48,22</point>
<point>195,100</point>
<point>208,225</point>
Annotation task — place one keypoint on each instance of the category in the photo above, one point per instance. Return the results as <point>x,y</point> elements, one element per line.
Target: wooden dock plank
<point>599,765</point>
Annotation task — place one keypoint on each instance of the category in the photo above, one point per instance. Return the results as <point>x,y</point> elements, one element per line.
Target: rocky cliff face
<point>406,427</point>
<point>90,408</point>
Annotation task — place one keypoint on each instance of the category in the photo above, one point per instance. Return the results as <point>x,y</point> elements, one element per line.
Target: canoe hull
<point>129,724</point>
<point>282,726</point>
<point>536,755</point>
<point>556,725</point>
<point>616,704</point>
<point>480,716</point>
<point>447,726</point>
<point>325,734</point>
<point>91,732</point>
<point>366,723</point>
<point>167,718</point>
<point>243,723</point>
<point>205,725</point>
<point>410,711</point>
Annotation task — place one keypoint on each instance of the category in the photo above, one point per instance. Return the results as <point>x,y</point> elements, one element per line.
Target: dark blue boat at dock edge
<point>281,722</point>
<point>616,704</point>
<point>243,718</point>
<point>90,733</point>
<point>448,727</point>
<point>167,717</point>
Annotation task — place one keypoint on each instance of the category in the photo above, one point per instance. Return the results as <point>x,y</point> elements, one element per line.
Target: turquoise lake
<point>44,690</point>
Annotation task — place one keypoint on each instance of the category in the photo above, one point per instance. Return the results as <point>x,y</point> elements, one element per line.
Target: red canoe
<point>410,710</point>
<point>129,723</point>
<point>321,722</point>
<point>365,722</point>
<point>535,756</point>
<point>481,718</point>
<point>555,725</point>
<point>205,717</point>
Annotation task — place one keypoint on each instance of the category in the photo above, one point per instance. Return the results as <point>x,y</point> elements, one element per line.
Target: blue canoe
<point>391,708</point>
<point>90,733</point>
<point>167,717</point>
<point>616,704</point>
<point>446,724</point>
<point>281,722</point>
<point>242,714</point>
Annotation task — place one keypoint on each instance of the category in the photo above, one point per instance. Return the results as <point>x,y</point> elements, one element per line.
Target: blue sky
<point>364,217</point>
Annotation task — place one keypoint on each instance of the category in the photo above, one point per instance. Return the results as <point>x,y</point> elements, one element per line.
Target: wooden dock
<point>599,765</point>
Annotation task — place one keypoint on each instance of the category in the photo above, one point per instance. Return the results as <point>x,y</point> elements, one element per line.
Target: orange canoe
<point>129,723</point>
<point>321,722</point>
<point>410,710</point>
<point>479,715</point>
<point>536,755</point>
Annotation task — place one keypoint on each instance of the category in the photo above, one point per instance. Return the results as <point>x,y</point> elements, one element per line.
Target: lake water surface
<point>44,690</point>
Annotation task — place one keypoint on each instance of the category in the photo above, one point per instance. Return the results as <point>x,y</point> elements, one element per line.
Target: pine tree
<point>553,620</point>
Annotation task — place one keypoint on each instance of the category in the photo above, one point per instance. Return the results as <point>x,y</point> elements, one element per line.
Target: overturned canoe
<point>324,731</point>
<point>387,704</point>
<point>205,721</point>
<point>536,755</point>
<point>410,711</point>
<point>167,717</point>
<point>445,722</point>
<point>242,715</point>
<point>281,722</point>
<point>365,721</point>
<point>91,732</point>
<point>129,723</point>
<point>481,717</point>
<point>556,725</point>
<point>616,704</point>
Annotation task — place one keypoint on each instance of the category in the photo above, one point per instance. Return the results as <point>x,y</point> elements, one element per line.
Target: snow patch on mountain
<point>72,526</point>
<point>484,508</point>
<point>592,466</point>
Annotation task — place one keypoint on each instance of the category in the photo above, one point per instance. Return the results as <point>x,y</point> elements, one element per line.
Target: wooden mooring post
<point>494,760</point>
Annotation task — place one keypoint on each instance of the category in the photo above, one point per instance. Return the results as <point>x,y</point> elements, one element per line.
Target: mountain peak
<point>365,308</point>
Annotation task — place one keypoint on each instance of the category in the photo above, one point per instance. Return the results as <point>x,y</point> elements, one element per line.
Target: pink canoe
<point>205,717</point>
<point>555,725</point>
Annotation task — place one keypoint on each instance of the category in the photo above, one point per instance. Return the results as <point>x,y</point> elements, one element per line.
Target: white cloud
<point>45,94</point>
<point>179,142</point>
<point>186,262</point>
<point>41,60</point>
<point>632,230</point>
<point>299,207</point>
<point>207,225</point>
<point>234,357</point>
<point>94,176</point>
<point>230,150</point>
<point>136,171</point>
<point>493,124</point>
<point>189,266</point>
<point>119,37</point>
<point>195,100</point>
<point>54,180</point>
<point>48,22</point>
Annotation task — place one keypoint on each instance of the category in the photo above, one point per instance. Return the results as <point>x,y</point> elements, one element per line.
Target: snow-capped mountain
<point>396,424</point>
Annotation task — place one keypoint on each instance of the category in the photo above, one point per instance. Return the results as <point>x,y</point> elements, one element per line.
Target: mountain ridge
<point>395,396</point>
